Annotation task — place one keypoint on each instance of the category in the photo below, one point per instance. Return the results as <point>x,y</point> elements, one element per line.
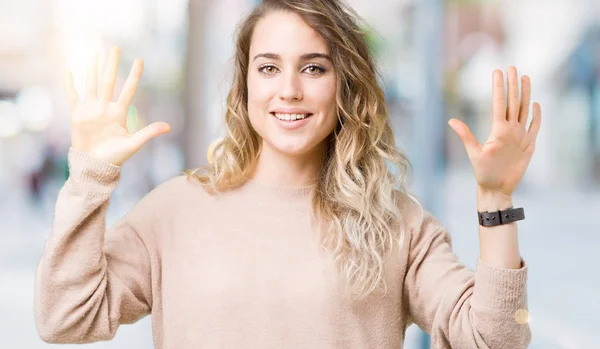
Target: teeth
<point>290,117</point>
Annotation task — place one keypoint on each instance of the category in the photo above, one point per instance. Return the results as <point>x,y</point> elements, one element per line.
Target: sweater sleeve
<point>89,280</point>
<point>460,308</point>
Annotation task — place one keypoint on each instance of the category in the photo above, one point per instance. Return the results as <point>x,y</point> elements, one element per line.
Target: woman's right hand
<point>99,125</point>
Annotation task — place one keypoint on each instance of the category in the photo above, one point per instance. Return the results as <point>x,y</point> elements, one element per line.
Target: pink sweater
<point>244,269</point>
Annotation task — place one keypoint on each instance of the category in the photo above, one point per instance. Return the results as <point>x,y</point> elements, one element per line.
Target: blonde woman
<point>297,235</point>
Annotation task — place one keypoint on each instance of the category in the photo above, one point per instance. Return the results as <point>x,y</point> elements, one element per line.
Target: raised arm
<point>459,307</point>
<point>90,280</point>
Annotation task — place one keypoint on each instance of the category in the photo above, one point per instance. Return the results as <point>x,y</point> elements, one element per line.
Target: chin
<point>289,148</point>
<point>292,150</point>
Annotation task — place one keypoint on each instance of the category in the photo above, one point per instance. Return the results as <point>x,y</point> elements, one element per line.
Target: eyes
<point>311,69</point>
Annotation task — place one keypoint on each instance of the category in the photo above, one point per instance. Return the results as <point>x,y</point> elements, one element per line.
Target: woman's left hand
<point>500,163</point>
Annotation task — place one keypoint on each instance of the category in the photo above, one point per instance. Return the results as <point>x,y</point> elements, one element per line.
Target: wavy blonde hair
<point>355,191</point>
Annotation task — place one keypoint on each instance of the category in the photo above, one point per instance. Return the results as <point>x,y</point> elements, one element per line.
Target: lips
<point>291,116</point>
<point>291,125</point>
<point>290,111</point>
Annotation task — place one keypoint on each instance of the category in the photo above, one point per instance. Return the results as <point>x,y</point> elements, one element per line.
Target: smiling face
<point>291,86</point>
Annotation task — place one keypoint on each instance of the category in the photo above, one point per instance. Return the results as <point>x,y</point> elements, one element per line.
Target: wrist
<point>490,200</point>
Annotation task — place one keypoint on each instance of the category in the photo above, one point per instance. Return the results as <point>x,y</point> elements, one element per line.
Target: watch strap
<point>490,219</point>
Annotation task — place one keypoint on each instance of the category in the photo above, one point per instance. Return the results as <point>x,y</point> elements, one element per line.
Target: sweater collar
<point>282,192</point>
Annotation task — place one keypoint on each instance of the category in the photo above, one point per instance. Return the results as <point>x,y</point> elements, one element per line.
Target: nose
<point>291,88</point>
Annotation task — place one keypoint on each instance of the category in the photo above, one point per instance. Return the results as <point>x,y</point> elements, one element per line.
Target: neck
<point>277,169</point>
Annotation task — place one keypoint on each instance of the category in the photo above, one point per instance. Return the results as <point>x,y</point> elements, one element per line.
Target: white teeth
<point>290,117</point>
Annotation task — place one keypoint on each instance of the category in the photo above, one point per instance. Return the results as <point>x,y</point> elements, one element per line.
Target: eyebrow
<point>304,57</point>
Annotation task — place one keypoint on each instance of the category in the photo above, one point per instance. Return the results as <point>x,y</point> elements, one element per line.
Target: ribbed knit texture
<point>244,269</point>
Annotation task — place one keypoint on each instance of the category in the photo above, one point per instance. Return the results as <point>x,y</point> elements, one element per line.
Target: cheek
<point>254,92</point>
<point>323,92</point>
<point>323,96</point>
<point>260,93</point>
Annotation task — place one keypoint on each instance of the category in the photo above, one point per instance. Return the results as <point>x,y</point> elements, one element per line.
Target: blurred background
<point>436,59</point>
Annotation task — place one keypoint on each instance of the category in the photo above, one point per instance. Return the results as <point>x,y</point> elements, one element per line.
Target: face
<point>291,86</point>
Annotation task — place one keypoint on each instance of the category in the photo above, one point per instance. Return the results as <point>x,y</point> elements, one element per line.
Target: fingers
<point>70,90</point>
<point>110,74</point>
<point>91,79</point>
<point>525,99</point>
<point>142,136</point>
<point>499,105</point>
<point>536,121</point>
<point>132,83</point>
<point>513,95</point>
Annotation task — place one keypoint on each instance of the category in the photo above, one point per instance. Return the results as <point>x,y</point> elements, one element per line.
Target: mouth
<point>291,117</point>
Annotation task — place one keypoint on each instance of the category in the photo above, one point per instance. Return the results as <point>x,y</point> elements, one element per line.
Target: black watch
<point>490,219</point>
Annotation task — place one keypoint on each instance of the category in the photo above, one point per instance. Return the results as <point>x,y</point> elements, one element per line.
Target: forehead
<point>285,33</point>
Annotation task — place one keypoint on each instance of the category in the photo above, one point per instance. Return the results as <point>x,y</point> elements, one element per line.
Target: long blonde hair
<point>355,192</point>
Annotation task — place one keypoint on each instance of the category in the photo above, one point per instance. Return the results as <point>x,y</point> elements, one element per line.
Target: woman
<point>296,235</point>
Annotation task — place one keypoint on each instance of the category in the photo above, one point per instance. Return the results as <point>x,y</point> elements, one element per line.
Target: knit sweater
<point>244,269</point>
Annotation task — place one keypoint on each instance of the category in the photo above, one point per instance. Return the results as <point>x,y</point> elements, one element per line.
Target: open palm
<point>99,125</point>
<point>500,163</point>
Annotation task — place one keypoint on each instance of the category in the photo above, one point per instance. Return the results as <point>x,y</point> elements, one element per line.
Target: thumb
<point>155,129</point>
<point>466,136</point>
